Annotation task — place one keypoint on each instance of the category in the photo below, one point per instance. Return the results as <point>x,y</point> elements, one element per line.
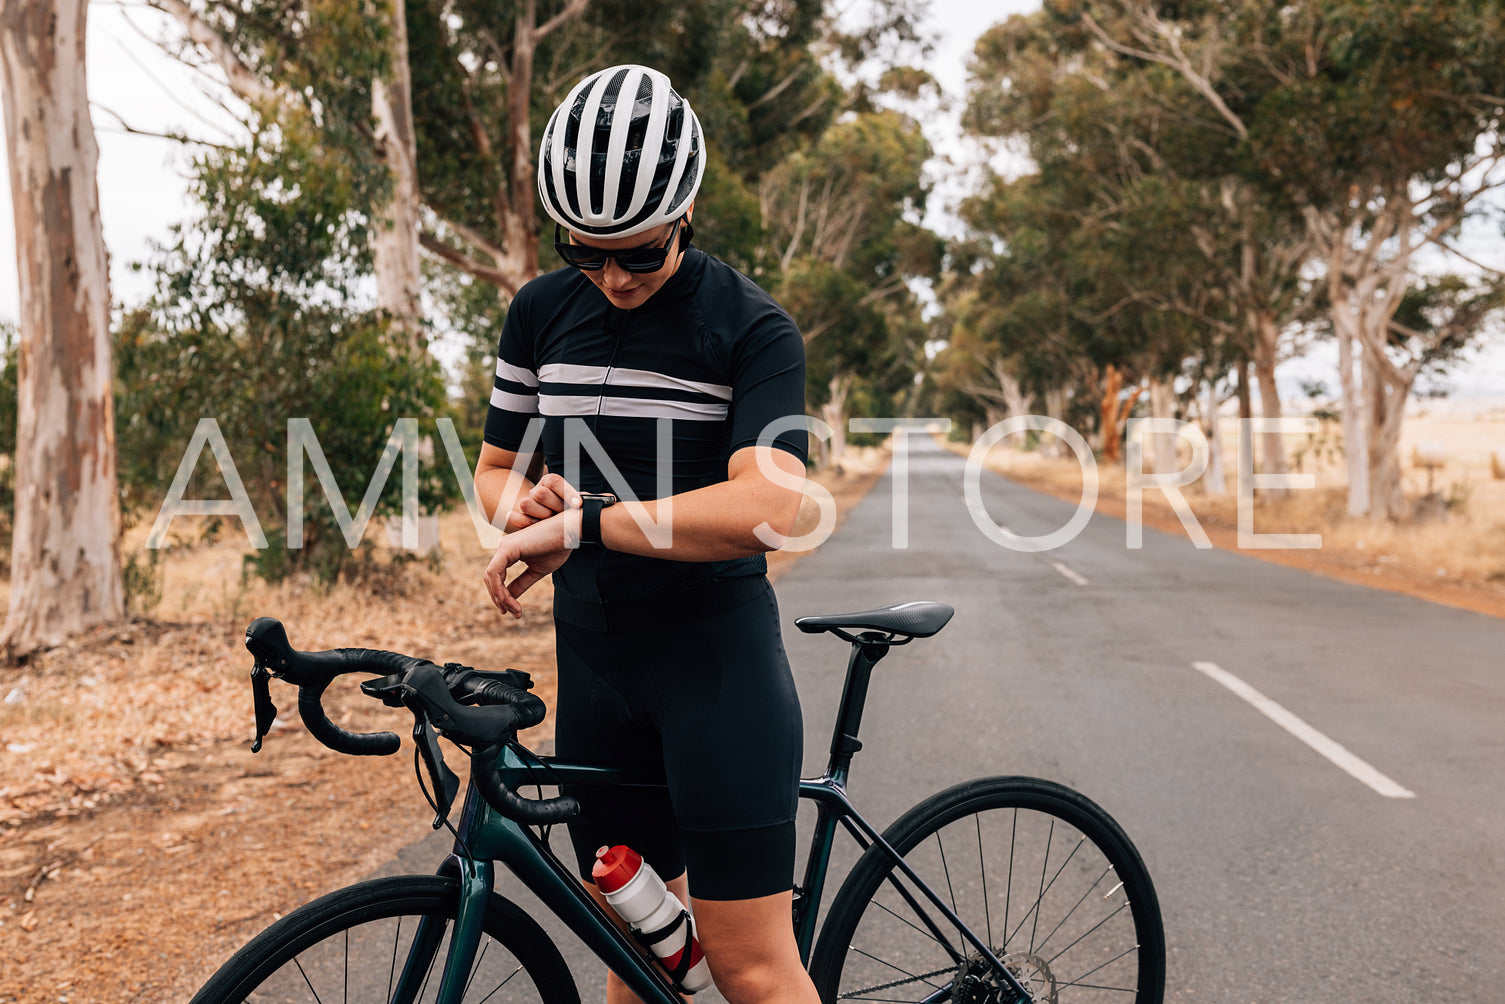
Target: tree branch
<point>486,273</point>
<point>574,10</point>
<point>176,137</point>
<point>777,88</point>
<point>240,77</point>
<point>1177,61</point>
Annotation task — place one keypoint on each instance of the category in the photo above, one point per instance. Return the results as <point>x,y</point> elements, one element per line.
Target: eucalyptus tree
<point>844,240</point>
<point>1379,123</point>
<point>1204,258</point>
<point>65,550</point>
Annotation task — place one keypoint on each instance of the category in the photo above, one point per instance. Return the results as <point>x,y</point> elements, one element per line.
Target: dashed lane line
<point>1067,571</point>
<point>1330,748</point>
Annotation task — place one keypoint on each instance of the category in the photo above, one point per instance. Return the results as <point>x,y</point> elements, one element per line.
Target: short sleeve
<point>514,394</point>
<point>768,387</point>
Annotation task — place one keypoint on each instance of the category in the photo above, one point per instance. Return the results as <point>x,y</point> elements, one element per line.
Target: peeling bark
<point>394,237</point>
<point>65,556</point>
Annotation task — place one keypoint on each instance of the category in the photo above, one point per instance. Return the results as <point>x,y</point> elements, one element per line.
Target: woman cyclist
<point>648,370</point>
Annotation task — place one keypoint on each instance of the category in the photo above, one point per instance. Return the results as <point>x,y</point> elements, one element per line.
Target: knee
<point>741,979</point>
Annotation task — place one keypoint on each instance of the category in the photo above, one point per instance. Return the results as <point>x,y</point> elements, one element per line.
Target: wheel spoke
<point>1044,867</point>
<point>1089,931</point>
<point>1091,986</point>
<point>392,973</point>
<point>906,921</point>
<point>306,981</point>
<point>982,869</point>
<point>1046,888</point>
<point>1107,871</point>
<point>945,870</point>
<point>1078,932</point>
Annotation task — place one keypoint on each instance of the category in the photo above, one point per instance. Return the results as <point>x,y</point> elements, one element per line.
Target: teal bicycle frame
<point>485,836</point>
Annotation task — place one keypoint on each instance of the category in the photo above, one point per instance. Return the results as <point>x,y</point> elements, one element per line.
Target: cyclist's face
<point>632,289</point>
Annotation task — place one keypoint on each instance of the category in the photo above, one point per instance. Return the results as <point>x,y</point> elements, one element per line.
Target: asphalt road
<point>1283,874</point>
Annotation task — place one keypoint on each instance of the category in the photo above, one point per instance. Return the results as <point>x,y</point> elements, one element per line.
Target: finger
<point>560,488</point>
<point>495,578</point>
<point>495,589</point>
<point>516,520</point>
<point>539,508</point>
<point>523,582</point>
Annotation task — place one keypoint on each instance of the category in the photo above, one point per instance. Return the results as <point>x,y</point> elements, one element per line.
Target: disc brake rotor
<point>976,984</point>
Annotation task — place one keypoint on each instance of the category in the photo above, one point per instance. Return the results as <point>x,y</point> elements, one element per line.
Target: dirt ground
<point>141,842</point>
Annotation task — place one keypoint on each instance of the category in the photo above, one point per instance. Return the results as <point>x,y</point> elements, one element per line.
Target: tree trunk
<point>65,556</point>
<point>1055,407</point>
<point>1163,444</point>
<point>1272,445</point>
<point>394,232</point>
<point>1355,426</point>
<point>1387,390</point>
<point>1245,400</point>
<point>1215,481</point>
<point>834,413</point>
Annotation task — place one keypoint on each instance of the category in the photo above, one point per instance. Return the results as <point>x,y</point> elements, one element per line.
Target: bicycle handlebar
<point>469,707</point>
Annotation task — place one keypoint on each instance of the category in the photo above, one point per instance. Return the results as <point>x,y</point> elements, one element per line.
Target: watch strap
<point>590,517</point>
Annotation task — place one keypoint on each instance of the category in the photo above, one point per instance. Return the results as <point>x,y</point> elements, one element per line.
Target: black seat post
<point>867,649</point>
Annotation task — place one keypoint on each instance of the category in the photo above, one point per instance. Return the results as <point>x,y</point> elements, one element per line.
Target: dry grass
<point>1452,551</point>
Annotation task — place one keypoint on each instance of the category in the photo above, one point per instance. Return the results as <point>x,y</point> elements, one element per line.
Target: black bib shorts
<point>711,703</point>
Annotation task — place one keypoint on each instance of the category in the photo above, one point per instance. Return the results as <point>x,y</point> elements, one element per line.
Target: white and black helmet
<point>622,154</point>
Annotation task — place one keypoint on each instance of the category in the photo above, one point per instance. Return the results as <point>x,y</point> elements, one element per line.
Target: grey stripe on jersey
<point>607,376</point>
<point>526,404</point>
<point>629,407</point>
<point>516,374</point>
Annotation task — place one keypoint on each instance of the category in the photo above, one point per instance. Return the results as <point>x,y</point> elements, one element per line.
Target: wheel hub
<point>977,984</point>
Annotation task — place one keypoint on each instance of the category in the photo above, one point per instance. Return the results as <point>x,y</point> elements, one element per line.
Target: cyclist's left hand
<point>553,494</point>
<point>541,548</point>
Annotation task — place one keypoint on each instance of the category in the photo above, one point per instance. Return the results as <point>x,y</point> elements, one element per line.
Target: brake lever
<point>261,696</point>
<point>445,782</point>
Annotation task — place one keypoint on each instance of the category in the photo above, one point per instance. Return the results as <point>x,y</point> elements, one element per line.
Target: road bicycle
<point>1001,890</point>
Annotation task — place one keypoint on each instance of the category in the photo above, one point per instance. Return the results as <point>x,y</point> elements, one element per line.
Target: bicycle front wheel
<point>1038,872</point>
<point>386,940</point>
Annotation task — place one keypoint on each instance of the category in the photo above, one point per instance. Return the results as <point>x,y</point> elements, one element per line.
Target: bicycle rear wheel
<point>353,945</point>
<point>1039,872</point>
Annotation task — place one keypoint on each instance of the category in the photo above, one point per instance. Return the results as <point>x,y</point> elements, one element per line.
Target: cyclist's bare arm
<point>503,482</point>
<point>721,520</point>
<point>748,514</point>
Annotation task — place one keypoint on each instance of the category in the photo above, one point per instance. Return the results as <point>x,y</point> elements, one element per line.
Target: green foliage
<point>258,319</point>
<point>839,226</point>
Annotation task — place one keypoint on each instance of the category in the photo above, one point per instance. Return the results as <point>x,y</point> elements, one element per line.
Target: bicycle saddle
<point>919,619</point>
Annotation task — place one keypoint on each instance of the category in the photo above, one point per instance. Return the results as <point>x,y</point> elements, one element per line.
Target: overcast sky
<point>141,177</point>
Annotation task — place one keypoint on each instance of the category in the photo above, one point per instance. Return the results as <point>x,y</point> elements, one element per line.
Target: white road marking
<point>1067,571</point>
<point>1329,748</point>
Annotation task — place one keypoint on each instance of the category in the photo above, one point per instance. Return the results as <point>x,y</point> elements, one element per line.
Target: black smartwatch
<point>591,505</point>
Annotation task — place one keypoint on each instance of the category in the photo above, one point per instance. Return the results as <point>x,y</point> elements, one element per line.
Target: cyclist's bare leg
<point>616,990</point>
<point>751,948</point>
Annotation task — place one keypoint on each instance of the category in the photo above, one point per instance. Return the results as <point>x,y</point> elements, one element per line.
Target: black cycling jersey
<point>699,371</point>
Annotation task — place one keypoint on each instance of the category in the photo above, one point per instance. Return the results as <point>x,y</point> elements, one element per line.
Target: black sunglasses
<point>642,259</point>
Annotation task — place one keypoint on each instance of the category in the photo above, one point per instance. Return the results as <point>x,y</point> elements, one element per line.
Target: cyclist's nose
<point>614,277</point>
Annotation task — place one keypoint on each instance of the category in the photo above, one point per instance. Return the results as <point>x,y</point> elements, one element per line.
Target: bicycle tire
<point>1035,853</point>
<point>307,955</point>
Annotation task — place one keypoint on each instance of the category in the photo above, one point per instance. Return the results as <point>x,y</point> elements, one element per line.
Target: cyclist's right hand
<point>553,494</point>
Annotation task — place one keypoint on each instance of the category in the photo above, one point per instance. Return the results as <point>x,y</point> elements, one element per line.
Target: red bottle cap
<point>615,867</point>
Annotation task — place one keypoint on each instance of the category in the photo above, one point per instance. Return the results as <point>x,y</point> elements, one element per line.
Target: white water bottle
<point>660,920</point>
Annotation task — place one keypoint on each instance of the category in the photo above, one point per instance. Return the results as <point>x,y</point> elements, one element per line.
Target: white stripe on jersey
<point>568,405</point>
<point>516,374</point>
<point>523,404</point>
<point>597,376</point>
<point>634,407</point>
